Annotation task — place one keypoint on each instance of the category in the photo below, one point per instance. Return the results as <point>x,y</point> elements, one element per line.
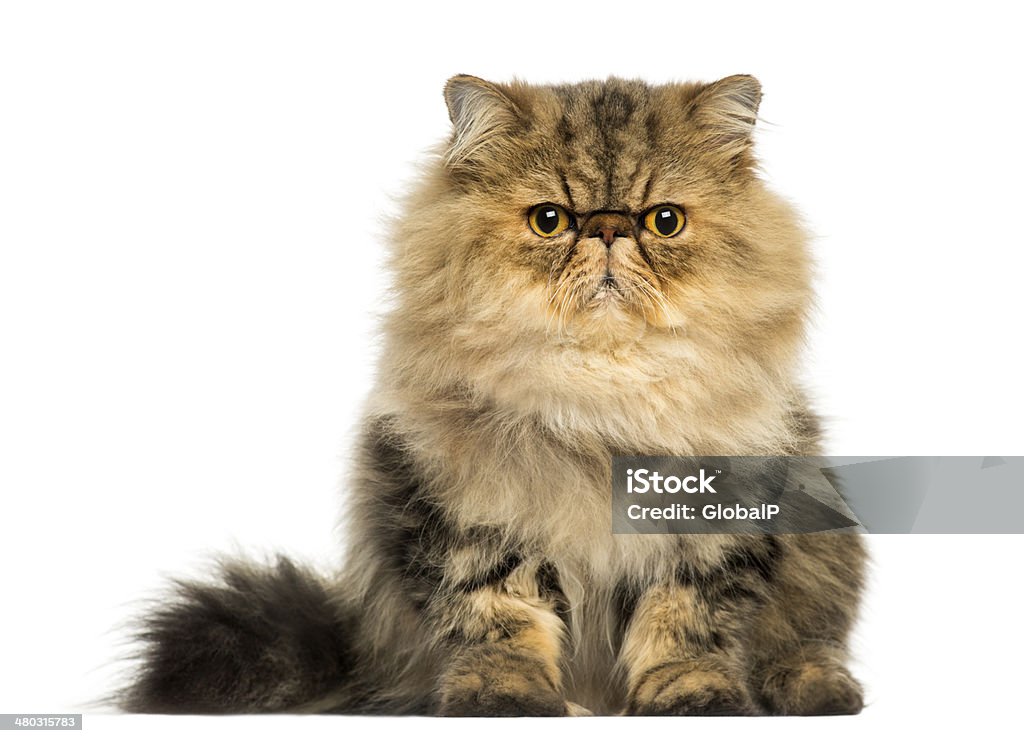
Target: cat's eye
<point>665,220</point>
<point>548,220</point>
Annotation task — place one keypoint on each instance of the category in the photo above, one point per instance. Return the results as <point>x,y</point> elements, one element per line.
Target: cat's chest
<point>558,501</point>
<point>547,488</point>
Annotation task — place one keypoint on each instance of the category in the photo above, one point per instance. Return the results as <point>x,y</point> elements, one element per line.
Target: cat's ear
<point>726,110</point>
<point>482,115</point>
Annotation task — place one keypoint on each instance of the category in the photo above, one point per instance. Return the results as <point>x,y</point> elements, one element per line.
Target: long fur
<point>482,576</point>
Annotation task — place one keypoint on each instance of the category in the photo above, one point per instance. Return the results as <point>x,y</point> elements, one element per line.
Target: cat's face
<point>603,211</point>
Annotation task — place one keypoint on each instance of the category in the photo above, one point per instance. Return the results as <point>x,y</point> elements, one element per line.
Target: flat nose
<point>608,234</point>
<point>608,226</point>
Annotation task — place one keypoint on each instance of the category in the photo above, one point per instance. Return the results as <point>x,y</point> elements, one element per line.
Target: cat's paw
<point>689,688</point>
<point>813,689</point>
<point>507,695</point>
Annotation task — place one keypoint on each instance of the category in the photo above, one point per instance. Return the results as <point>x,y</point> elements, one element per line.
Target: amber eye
<point>548,220</point>
<point>665,220</point>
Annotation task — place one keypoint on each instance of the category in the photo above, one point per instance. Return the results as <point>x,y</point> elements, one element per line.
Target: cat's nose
<point>608,226</point>
<point>608,234</point>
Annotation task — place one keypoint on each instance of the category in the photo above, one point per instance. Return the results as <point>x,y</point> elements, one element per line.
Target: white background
<point>192,196</point>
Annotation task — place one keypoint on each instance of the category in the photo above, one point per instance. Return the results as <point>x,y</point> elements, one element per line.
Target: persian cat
<point>583,271</point>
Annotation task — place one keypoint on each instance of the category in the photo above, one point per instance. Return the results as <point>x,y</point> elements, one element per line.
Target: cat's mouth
<point>607,287</point>
<point>607,284</point>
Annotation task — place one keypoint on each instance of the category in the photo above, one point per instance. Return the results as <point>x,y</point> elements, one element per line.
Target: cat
<point>584,271</point>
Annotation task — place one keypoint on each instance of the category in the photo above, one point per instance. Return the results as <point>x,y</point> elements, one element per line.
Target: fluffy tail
<point>261,639</point>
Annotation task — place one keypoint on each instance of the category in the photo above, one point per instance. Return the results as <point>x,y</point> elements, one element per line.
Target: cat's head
<point>600,215</point>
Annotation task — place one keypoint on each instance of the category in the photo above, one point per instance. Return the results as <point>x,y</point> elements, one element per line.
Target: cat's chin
<point>613,312</point>
<point>608,317</point>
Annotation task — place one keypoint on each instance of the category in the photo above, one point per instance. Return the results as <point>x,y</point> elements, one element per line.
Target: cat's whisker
<point>571,298</point>
<point>658,298</point>
<point>556,300</point>
<point>644,289</point>
<point>566,295</point>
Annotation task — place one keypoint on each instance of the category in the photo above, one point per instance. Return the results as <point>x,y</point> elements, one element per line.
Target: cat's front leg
<point>684,647</point>
<point>674,662</point>
<point>505,639</point>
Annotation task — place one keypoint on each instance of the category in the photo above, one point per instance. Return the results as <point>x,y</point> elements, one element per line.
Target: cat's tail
<point>256,639</point>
